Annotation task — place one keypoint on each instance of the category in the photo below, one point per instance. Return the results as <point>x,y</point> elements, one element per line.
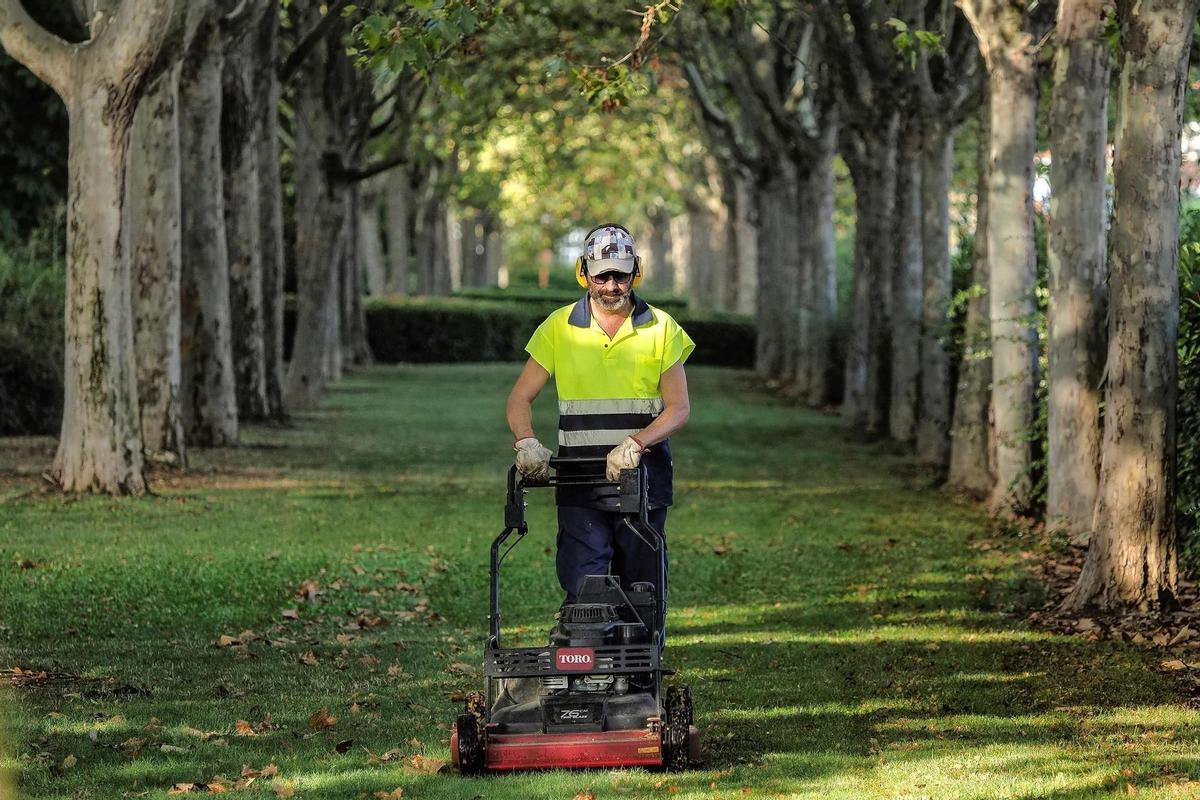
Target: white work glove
<point>626,455</point>
<point>533,459</point>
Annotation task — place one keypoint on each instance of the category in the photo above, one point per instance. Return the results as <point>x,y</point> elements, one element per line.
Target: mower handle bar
<point>634,508</point>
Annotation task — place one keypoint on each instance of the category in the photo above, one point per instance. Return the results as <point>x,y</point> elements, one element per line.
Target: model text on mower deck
<point>592,697</point>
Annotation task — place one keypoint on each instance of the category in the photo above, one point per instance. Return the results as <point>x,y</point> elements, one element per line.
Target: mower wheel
<point>470,745</point>
<point>676,755</point>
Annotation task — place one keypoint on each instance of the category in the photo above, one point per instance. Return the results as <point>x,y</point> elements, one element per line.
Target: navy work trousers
<point>595,542</point>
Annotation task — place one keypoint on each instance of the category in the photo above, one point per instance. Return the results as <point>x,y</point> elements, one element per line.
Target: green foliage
<point>911,42</point>
<point>32,288</point>
<point>1187,481</point>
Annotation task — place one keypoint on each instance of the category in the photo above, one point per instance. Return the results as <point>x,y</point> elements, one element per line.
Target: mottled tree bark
<point>155,250</point>
<point>658,252</point>
<point>320,232</point>
<point>370,244</point>
<point>933,423</point>
<point>265,105</point>
<point>1010,48</point>
<point>210,400</point>
<point>906,287</point>
<point>681,254</point>
<point>821,363</point>
<point>1079,125</point>
<point>746,245</point>
<point>240,137</point>
<point>100,447</point>
<point>399,227</point>
<point>355,349</point>
<point>971,431</point>
<point>872,162</point>
<point>1131,560</point>
<point>778,265</point>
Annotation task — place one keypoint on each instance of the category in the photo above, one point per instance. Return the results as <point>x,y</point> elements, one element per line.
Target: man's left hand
<point>626,455</point>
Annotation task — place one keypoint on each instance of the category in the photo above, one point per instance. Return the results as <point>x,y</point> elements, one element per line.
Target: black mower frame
<point>514,662</point>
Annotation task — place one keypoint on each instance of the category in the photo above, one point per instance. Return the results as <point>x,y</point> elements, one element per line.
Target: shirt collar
<point>581,314</point>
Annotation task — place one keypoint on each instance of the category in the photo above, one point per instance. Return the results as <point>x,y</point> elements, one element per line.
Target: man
<point>617,363</point>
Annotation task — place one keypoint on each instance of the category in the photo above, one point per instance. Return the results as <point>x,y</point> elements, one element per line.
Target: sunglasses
<point>620,277</point>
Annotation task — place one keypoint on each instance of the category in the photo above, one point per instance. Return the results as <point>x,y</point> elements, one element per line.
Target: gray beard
<point>610,305</point>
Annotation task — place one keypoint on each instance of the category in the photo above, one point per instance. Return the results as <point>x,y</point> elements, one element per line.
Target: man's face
<point>610,290</point>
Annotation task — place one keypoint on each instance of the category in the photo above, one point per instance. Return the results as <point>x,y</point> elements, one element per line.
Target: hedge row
<point>424,331</point>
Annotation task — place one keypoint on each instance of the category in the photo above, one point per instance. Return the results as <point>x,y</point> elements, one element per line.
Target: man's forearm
<point>520,418</point>
<point>665,424</point>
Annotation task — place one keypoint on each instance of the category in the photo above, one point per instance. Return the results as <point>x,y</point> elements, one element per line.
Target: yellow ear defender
<point>581,263</point>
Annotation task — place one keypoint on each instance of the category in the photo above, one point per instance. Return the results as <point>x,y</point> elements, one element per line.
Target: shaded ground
<point>846,631</point>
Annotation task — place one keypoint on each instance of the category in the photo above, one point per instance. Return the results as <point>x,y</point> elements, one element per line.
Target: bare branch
<point>44,54</point>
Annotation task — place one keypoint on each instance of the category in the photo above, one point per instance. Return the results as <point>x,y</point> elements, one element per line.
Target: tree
<point>242,132</point>
<point>210,398</point>
<point>1008,32</point>
<point>1079,143</point>
<point>1131,555</point>
<point>971,442</point>
<point>101,82</point>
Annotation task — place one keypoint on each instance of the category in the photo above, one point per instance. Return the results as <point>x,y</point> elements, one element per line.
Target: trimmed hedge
<point>447,330</point>
<point>672,304</point>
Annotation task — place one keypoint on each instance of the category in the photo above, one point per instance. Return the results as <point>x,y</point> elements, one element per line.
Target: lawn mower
<point>593,696</point>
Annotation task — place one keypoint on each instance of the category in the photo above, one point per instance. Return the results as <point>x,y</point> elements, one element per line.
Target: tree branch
<point>44,54</point>
<point>309,40</point>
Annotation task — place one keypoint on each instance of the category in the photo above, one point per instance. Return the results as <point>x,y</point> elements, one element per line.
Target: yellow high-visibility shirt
<point>610,389</point>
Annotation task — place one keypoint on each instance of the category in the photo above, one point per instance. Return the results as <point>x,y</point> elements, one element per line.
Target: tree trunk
<point>777,256</point>
<point>210,399</point>
<point>100,447</point>
<point>240,137</point>
<point>872,162</point>
<point>320,230</point>
<point>745,245</point>
<point>156,250</point>
<point>707,250</point>
<point>681,254</point>
<point>824,276</point>
<point>1131,556</point>
<point>454,250</point>
<point>1010,53</point>
<point>800,300</point>
<point>971,438</point>
<point>1079,125</point>
<point>370,244</point>
<point>354,319</point>
<point>906,287</point>
<point>658,256</point>
<point>933,422</point>
<point>399,225</point>
<point>265,105</point>
<point>101,83</point>
<point>493,251</point>
<point>468,223</point>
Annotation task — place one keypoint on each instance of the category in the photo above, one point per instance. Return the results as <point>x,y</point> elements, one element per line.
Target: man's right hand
<point>533,459</point>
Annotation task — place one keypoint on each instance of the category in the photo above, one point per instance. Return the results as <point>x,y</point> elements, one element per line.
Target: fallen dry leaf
<point>309,658</point>
<point>1173,665</point>
<point>225,641</point>
<point>394,794</point>
<point>170,748</point>
<point>424,765</point>
<point>308,590</point>
<point>461,667</point>
<point>69,762</point>
<point>243,728</point>
<point>181,788</point>
<point>321,720</point>
<point>585,795</point>
<point>291,613</point>
<point>283,789</point>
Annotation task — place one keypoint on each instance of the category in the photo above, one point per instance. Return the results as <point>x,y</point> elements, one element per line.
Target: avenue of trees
<point>223,152</point>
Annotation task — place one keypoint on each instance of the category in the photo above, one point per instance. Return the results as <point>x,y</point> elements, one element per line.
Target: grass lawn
<point>845,629</point>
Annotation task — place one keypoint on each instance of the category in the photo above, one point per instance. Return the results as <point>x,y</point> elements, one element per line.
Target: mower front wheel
<point>469,740</point>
